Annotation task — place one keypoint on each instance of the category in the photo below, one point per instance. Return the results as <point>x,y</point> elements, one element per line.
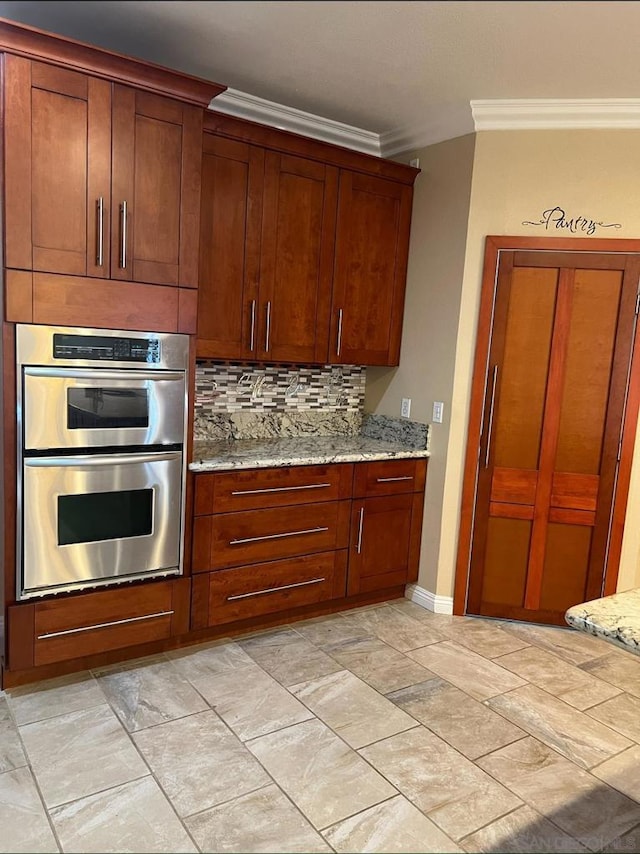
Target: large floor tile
<point>43,700</point>
<point>288,657</point>
<point>149,692</point>
<point>572,733</point>
<point>463,722</point>
<point>78,754</point>
<point>194,662</point>
<point>523,831</point>
<point>457,795</point>
<point>326,779</point>
<point>467,670</point>
<point>250,701</point>
<point>399,630</point>
<point>262,821</point>
<point>485,638</point>
<point>583,807</point>
<point>568,644</point>
<point>327,630</point>
<point>622,713</point>
<point>133,817</point>
<point>378,664</point>
<point>621,669</point>
<point>393,826</point>
<point>628,843</point>
<point>622,772</point>
<point>198,762</point>
<point>356,712</point>
<point>23,823</point>
<point>570,683</point>
<point>11,752</point>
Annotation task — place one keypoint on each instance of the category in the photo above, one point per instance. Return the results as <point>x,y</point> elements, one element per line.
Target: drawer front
<point>239,594</point>
<point>226,492</point>
<point>92,623</point>
<point>389,477</point>
<point>258,535</point>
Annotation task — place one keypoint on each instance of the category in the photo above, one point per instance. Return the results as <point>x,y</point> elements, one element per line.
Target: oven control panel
<point>106,349</point>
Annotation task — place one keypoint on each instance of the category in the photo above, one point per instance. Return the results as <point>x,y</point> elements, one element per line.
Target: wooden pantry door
<point>555,386</point>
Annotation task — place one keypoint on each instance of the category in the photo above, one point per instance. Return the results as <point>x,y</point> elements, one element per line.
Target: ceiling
<point>407,69</point>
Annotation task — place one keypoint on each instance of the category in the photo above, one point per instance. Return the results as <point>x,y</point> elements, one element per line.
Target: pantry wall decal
<point>556,219</point>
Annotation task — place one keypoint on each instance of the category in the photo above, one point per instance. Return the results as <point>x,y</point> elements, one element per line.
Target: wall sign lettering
<point>556,219</point>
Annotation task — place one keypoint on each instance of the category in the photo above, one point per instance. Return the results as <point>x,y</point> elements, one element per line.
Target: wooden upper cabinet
<point>298,232</point>
<point>372,245</point>
<point>230,235</point>
<point>76,149</point>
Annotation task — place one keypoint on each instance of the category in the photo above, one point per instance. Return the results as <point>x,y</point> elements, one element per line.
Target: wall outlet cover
<point>405,407</point>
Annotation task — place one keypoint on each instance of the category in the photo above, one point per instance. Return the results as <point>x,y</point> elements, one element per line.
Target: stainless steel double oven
<point>101,464</point>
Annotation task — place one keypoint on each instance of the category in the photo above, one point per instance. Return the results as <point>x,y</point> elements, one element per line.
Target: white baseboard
<point>430,601</point>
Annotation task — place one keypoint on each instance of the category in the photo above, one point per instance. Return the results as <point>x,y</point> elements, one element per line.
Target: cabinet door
<point>383,538</point>
<point>57,153</point>
<point>230,222</point>
<point>372,245</point>
<point>156,171</point>
<point>298,230</point>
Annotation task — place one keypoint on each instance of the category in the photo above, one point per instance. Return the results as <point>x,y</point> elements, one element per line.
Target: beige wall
<point>434,283</point>
<point>516,176</point>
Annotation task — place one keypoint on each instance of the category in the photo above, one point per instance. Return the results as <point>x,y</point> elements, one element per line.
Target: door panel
<point>554,400</point>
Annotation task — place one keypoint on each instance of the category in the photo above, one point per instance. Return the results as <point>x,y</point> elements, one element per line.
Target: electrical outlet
<point>405,407</point>
<point>438,411</point>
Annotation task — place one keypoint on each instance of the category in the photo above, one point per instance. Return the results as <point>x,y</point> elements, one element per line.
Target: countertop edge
<point>614,618</point>
<point>307,460</point>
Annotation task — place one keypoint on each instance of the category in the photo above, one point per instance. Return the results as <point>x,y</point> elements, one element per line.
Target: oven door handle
<point>101,460</point>
<point>99,374</point>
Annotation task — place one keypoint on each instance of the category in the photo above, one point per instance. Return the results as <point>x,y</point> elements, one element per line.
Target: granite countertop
<point>613,618</point>
<point>304,450</point>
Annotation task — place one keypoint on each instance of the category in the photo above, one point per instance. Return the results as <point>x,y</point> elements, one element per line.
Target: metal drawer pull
<point>275,589</point>
<point>104,625</point>
<point>123,244</point>
<point>490,426</point>
<point>360,526</point>
<point>252,335</point>
<point>279,489</point>
<point>339,341</point>
<point>267,336</point>
<point>276,536</point>
<point>100,248</point>
<point>390,479</point>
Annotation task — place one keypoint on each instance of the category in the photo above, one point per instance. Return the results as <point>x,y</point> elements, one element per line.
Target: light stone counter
<point>299,451</point>
<point>613,618</point>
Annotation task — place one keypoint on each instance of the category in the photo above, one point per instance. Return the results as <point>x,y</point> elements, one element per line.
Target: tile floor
<point>384,729</point>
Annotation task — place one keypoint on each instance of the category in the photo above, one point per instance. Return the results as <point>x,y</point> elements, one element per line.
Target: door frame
<point>494,246</point>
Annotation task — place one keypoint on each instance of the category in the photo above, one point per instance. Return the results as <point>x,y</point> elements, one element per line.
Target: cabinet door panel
<point>380,543</point>
<point>230,222</point>
<point>297,251</point>
<point>372,238</point>
<point>57,166</point>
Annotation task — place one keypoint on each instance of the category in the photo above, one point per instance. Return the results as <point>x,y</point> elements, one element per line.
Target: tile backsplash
<point>245,401</point>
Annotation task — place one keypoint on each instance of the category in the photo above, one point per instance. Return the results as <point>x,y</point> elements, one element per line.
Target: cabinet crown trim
<point>30,42</point>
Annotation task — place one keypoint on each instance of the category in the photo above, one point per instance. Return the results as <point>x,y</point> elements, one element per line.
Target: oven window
<point>94,516</point>
<point>100,408</point>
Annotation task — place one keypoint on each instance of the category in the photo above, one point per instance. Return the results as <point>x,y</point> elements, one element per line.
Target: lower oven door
<point>94,520</point>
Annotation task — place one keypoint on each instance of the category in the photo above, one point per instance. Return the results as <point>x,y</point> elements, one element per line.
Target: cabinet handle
<point>279,489</point>
<point>100,249</point>
<point>267,337</point>
<point>104,625</point>
<point>275,589</point>
<point>360,526</point>
<point>490,424</point>
<point>123,230</point>
<point>391,479</point>
<point>276,536</point>
<point>339,341</point>
<point>252,334</point>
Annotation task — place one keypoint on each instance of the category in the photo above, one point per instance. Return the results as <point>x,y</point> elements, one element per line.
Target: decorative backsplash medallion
<point>246,402</point>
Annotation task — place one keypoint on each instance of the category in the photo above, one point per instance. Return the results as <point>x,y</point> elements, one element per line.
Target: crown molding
<point>244,106</point>
<point>556,113</point>
<point>452,121</point>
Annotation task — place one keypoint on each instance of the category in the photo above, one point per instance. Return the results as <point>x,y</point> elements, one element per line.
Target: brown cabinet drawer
<point>91,623</point>
<point>253,536</point>
<point>389,477</point>
<point>239,594</point>
<point>226,492</point>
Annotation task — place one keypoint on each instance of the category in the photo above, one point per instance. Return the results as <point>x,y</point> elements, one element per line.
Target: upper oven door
<point>94,408</point>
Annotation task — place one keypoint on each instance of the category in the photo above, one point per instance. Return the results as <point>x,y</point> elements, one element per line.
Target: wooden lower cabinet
<point>71,627</point>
